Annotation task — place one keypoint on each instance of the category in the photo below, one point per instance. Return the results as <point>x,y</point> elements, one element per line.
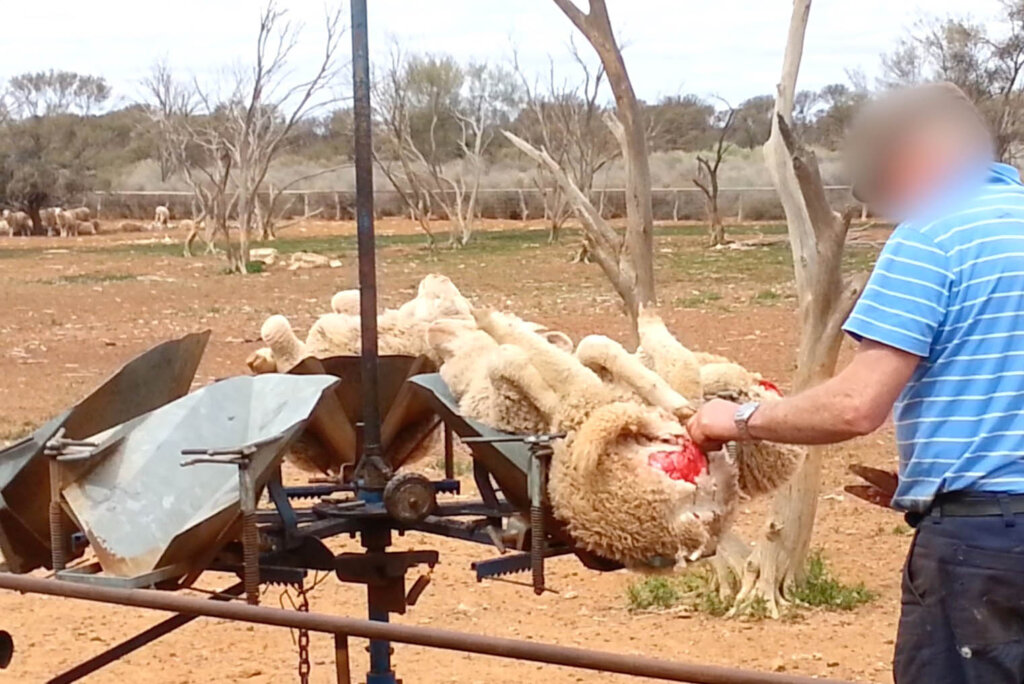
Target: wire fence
<point>522,204</point>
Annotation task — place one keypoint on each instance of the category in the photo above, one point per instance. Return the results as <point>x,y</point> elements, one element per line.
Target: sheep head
<point>287,349</point>
<point>346,302</point>
<point>631,486</point>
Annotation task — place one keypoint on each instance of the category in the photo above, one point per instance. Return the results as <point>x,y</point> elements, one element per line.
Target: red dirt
<point>73,316</point>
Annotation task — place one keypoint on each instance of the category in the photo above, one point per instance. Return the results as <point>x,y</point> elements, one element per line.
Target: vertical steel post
<point>363,146</point>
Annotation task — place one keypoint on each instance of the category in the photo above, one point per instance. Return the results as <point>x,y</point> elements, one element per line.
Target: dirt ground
<point>74,310</point>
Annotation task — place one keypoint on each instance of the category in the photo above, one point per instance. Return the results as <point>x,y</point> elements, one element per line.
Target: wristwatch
<point>742,419</point>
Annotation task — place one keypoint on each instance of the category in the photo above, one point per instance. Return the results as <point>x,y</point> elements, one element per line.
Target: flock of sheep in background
<point>57,221</point>
<point>627,480</point>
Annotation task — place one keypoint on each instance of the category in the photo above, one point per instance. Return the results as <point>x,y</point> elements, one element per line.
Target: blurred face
<point>916,170</point>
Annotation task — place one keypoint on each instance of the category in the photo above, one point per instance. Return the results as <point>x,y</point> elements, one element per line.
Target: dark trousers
<point>962,619</point>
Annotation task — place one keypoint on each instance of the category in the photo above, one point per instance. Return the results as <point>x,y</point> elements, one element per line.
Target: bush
<point>820,589</point>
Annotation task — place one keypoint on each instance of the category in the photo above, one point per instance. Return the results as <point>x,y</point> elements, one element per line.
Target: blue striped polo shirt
<point>949,287</point>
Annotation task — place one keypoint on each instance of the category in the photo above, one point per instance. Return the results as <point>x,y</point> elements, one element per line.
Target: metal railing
<point>344,627</point>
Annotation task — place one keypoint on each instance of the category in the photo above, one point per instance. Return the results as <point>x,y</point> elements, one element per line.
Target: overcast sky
<point>726,47</point>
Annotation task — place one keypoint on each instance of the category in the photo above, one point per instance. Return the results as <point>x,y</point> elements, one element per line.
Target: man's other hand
<point>713,425</point>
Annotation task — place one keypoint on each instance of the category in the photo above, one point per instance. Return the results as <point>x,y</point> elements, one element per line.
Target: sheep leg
<point>511,365</point>
<point>665,355</point>
<point>558,368</point>
<point>598,351</point>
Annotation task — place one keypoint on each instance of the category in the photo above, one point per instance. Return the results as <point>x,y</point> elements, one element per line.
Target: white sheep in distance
<point>19,222</point>
<point>48,218</point>
<point>162,217</point>
<point>5,229</point>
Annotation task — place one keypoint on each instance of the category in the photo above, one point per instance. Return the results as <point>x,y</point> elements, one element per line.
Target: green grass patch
<point>693,590</point>
<point>902,530</point>
<point>821,589</point>
<point>698,300</point>
<point>91,278</point>
<point>254,267</point>
<point>654,593</point>
<point>767,297</point>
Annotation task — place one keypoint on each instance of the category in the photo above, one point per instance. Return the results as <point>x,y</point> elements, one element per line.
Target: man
<point>940,327</point>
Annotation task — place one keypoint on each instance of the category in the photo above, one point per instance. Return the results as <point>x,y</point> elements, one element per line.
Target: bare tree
<point>565,118</point>
<point>627,259</point>
<point>265,106</point>
<point>988,68</point>
<point>707,176</point>
<point>817,237</point>
<point>440,118</point>
<point>170,100</point>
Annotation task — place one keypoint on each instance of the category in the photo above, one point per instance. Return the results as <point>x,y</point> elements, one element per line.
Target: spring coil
<point>58,555</point>
<point>251,558</point>
<point>537,544</point>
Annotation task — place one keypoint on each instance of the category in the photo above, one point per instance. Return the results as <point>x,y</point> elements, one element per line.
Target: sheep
<point>631,380</point>
<point>262,361</point>
<point>609,482</point>
<point>48,218</point>
<point>162,217</point>
<point>660,351</point>
<point>5,228</point>
<point>285,348</point>
<point>475,368</point>
<point>82,214</point>
<point>19,222</point>
<point>345,302</point>
<point>616,504</point>
<point>87,227</point>
<point>67,222</point>
<point>130,227</point>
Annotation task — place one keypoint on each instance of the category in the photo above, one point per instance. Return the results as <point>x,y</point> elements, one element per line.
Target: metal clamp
<point>240,458</point>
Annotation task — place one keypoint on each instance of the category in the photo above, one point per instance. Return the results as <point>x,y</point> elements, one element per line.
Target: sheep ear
<point>560,340</point>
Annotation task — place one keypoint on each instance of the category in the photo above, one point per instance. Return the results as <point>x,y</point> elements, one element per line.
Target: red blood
<point>685,463</point>
<point>770,386</point>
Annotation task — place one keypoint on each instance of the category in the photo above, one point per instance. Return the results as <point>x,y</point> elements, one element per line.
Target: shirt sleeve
<point>906,297</point>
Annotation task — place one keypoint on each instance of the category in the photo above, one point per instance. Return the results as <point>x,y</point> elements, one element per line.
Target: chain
<point>303,607</point>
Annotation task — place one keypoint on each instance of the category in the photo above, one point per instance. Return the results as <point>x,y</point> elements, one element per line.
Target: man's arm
<point>855,402</point>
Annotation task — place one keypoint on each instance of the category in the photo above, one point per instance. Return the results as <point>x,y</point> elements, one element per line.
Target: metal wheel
<point>409,497</point>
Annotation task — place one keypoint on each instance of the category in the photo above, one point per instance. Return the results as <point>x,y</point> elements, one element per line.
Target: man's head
<point>908,144</point>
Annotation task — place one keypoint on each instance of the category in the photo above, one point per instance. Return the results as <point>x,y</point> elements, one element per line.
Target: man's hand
<point>713,425</point>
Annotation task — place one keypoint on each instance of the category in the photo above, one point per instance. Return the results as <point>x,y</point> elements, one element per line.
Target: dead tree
<point>267,213</point>
<point>627,259</point>
<point>564,117</point>
<point>817,236</point>
<point>262,110</point>
<point>707,178</point>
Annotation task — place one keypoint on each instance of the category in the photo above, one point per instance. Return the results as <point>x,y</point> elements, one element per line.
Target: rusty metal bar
<point>341,662</point>
<point>419,636</point>
<point>134,643</point>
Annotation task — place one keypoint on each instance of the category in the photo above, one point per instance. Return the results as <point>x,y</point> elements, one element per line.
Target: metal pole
<point>344,676</point>
<point>552,654</point>
<point>363,145</point>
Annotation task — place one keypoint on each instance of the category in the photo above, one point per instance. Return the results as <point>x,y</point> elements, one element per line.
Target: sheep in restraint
<point>627,481</point>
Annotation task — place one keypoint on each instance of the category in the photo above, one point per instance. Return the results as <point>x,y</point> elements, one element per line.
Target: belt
<point>974,505</point>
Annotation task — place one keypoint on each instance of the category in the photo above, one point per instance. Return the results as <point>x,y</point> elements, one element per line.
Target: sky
<point>726,48</point>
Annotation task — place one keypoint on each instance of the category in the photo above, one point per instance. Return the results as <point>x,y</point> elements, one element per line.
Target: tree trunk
<point>817,238</point>
<point>715,228</point>
<point>629,130</point>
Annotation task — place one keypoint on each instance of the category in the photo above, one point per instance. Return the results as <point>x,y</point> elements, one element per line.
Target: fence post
<point>739,207</point>
<point>675,206</point>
